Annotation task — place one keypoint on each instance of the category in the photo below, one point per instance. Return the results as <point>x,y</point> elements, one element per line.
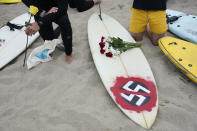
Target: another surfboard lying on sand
<point>183,25</point>
<point>10,1</point>
<point>182,54</point>
<point>127,77</point>
<point>12,40</point>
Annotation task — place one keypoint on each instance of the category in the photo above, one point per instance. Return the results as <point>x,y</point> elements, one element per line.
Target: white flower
<point>117,52</point>
<point>111,49</point>
<point>106,47</point>
<point>114,52</point>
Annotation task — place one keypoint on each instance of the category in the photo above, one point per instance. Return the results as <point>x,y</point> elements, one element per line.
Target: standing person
<point>149,15</point>
<point>80,5</point>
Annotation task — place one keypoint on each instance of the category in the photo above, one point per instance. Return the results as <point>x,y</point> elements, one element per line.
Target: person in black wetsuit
<point>80,5</point>
<point>56,11</point>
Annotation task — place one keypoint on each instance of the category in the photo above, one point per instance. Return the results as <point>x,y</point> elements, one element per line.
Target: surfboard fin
<point>172,19</point>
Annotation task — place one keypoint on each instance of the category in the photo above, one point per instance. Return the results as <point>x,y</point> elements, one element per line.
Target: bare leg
<point>96,1</point>
<point>69,58</point>
<point>137,36</point>
<point>154,37</point>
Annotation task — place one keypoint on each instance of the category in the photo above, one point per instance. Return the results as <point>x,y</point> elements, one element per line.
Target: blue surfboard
<point>183,25</point>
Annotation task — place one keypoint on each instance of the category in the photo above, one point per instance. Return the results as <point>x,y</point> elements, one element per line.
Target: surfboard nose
<point>182,54</point>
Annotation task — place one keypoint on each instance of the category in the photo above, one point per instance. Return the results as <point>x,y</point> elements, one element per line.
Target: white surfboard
<point>128,77</point>
<point>13,43</point>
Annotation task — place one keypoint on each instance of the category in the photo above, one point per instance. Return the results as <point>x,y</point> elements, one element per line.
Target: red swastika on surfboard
<point>135,94</point>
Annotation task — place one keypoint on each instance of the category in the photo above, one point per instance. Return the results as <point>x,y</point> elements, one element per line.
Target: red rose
<point>102,44</point>
<point>102,51</point>
<point>109,54</point>
<point>102,38</point>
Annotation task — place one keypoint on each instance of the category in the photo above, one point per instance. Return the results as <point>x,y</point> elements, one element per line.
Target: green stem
<point>26,45</point>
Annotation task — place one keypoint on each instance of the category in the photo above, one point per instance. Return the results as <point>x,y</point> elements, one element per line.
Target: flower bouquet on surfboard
<point>112,46</point>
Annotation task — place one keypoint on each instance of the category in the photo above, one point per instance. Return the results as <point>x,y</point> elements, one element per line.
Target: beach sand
<point>57,96</point>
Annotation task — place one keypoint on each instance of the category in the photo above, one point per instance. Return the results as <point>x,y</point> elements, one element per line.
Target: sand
<point>57,96</point>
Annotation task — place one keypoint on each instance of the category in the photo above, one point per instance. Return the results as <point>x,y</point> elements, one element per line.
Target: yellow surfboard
<point>10,1</point>
<point>182,54</point>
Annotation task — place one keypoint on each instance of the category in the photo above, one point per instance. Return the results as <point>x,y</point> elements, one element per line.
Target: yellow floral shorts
<point>140,19</point>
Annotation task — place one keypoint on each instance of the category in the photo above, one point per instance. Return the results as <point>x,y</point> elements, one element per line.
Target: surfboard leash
<point>13,26</point>
<point>100,11</point>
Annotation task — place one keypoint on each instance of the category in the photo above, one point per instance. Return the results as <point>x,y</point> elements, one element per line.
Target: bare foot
<point>151,36</point>
<point>149,33</point>
<point>137,36</point>
<point>154,37</point>
<point>69,59</point>
<point>97,1</point>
